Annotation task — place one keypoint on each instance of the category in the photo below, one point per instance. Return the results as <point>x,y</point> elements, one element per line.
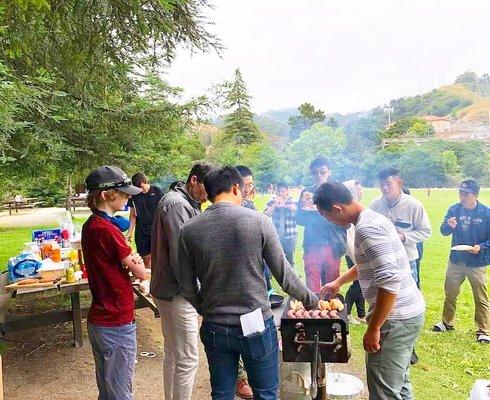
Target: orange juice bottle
<point>55,253</point>
<point>46,250</point>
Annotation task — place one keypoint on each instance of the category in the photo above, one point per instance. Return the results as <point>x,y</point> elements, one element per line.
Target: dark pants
<point>289,246</point>
<point>354,295</point>
<point>224,344</point>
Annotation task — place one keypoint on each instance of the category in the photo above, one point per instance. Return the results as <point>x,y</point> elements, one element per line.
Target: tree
<point>332,123</point>
<point>239,127</point>
<point>319,140</point>
<point>422,167</point>
<point>467,77</point>
<point>420,128</point>
<point>409,126</point>
<point>267,163</point>
<point>77,87</point>
<point>307,117</point>
<point>450,162</point>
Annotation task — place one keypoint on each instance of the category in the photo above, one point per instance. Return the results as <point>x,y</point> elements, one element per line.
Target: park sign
<point>40,235</point>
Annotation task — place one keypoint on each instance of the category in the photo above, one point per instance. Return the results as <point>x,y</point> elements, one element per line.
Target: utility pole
<point>389,110</point>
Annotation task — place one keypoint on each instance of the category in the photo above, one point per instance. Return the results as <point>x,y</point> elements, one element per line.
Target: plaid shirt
<point>284,219</point>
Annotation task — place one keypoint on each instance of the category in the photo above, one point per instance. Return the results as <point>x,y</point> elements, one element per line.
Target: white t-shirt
<point>383,263</point>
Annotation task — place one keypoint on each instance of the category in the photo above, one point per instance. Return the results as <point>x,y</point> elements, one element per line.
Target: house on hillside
<point>440,124</point>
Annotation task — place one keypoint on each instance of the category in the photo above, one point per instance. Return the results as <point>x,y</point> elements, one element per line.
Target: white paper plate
<point>462,247</point>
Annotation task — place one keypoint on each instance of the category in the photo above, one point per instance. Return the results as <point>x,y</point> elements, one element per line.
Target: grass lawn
<point>449,363</point>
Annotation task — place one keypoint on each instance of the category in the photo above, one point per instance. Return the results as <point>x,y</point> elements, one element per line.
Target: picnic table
<point>24,202</point>
<point>15,323</point>
<point>73,202</point>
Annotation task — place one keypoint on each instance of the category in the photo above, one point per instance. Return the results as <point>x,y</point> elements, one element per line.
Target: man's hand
<point>307,200</point>
<point>371,340</point>
<point>331,288</point>
<point>452,222</point>
<point>137,258</point>
<point>279,201</point>
<point>475,250</point>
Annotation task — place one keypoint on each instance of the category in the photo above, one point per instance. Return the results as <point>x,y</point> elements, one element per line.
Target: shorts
<point>143,242</point>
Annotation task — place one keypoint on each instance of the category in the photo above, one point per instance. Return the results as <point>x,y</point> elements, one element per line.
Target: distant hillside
<point>446,100</point>
<point>281,115</point>
<point>478,111</point>
<point>466,102</point>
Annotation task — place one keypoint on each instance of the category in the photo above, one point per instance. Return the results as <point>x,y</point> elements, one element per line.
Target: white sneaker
<point>352,320</point>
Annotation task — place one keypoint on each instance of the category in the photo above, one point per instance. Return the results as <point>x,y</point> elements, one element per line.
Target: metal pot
<point>295,380</point>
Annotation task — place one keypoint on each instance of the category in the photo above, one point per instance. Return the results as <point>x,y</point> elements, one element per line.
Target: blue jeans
<point>225,343</point>
<point>114,352</point>
<point>415,272</point>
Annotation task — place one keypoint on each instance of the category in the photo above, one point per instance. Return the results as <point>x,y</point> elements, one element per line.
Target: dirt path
<point>42,364</point>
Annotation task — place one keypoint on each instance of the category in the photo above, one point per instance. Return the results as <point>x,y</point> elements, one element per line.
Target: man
<point>178,317</point>
<point>420,245</point>
<point>405,212</point>
<point>282,210</point>
<point>221,274</point>
<point>396,306</point>
<point>469,224</point>
<point>248,188</point>
<point>141,211</point>
<point>324,243</point>
<point>243,388</point>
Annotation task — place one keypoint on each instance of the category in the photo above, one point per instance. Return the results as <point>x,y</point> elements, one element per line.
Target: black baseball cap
<point>110,177</point>
<point>469,186</point>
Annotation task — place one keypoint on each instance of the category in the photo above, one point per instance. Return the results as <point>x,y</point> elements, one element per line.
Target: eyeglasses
<point>320,172</point>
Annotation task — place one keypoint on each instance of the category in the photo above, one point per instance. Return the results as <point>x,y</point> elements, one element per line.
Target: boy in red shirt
<point>111,326</point>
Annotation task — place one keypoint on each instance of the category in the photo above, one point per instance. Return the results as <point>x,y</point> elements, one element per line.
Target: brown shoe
<point>243,389</point>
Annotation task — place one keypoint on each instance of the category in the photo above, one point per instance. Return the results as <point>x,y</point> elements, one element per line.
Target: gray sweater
<point>409,217</point>
<point>221,269</point>
<point>172,212</point>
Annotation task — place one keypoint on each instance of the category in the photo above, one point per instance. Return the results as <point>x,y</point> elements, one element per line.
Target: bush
<point>46,190</point>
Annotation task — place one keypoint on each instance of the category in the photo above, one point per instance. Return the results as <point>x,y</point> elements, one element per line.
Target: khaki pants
<point>455,275</point>
<point>180,333</point>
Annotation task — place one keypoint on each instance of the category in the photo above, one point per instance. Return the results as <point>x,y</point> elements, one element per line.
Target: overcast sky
<point>340,55</point>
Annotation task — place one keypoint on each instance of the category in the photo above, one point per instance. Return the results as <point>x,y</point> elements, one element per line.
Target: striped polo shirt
<point>383,263</point>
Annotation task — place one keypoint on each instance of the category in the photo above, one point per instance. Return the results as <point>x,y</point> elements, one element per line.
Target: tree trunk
<point>68,193</point>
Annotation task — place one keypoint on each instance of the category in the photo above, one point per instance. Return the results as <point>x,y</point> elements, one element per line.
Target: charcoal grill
<point>317,341</point>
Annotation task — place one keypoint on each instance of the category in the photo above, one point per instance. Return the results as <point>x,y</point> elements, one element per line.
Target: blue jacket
<point>320,232</point>
<point>473,227</point>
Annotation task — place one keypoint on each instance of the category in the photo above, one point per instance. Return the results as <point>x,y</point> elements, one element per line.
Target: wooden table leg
<point>1,379</point>
<point>77,319</point>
